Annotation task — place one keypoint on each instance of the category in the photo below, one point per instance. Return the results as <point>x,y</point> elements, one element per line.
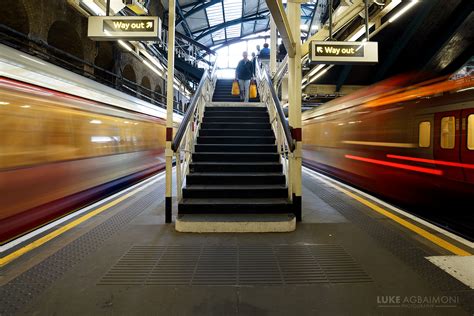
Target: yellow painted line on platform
<point>35,244</point>
<point>418,230</point>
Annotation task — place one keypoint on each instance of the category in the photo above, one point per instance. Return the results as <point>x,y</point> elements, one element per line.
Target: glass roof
<point>221,22</point>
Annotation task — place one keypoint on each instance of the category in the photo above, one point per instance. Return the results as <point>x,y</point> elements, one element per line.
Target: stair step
<point>235,148</point>
<point>236,114</point>
<point>236,108</point>
<point>235,119</point>
<point>234,206</point>
<point>235,178</point>
<point>236,157</point>
<point>236,132</point>
<point>235,191</point>
<point>235,167</point>
<point>235,140</point>
<point>223,126</point>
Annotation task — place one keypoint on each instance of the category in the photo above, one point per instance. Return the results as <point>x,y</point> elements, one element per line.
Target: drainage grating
<point>235,265</point>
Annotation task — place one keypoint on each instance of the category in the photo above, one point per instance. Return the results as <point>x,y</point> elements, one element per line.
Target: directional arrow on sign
<point>149,24</point>
<point>319,49</point>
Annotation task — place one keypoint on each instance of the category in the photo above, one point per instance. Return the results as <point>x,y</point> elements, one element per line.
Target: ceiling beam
<point>345,17</point>
<point>220,26</point>
<point>449,29</point>
<point>279,16</point>
<point>423,9</point>
<point>187,29</point>
<point>198,8</point>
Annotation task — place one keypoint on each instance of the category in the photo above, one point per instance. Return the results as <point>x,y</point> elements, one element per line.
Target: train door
<point>447,143</point>
<point>467,142</point>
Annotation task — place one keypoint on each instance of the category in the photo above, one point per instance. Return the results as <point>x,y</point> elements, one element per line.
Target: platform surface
<point>343,259</point>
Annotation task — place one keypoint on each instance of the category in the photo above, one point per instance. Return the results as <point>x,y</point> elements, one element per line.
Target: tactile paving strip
<point>22,290</point>
<point>396,243</point>
<point>235,266</point>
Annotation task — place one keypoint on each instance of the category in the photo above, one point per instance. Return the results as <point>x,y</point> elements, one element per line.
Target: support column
<point>169,111</point>
<point>273,47</point>
<point>294,87</point>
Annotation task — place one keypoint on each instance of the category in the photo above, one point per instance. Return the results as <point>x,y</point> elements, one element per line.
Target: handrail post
<point>169,112</point>
<point>294,82</point>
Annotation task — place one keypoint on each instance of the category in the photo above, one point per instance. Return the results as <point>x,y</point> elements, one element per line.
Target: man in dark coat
<point>243,73</point>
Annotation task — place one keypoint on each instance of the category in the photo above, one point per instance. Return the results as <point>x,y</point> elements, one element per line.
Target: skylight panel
<point>214,14</point>
<point>233,31</point>
<point>232,9</point>
<point>218,35</point>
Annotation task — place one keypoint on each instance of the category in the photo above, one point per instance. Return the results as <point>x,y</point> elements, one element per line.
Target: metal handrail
<point>189,113</point>
<point>282,68</point>
<point>186,136</point>
<point>279,109</point>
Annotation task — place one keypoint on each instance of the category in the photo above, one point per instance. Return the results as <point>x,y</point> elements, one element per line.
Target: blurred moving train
<point>58,151</point>
<point>413,146</point>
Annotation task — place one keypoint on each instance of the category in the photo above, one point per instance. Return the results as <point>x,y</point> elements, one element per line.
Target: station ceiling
<point>435,36</point>
<point>218,22</point>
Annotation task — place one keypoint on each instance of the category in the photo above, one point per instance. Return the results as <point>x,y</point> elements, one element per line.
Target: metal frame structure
<point>285,143</point>
<point>186,136</point>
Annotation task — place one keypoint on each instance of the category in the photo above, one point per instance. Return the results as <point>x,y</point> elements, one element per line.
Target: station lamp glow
<point>124,45</point>
<point>402,11</point>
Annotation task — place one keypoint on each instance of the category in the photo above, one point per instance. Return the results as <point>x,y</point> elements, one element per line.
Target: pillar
<point>169,112</point>
<point>274,46</point>
<point>294,96</point>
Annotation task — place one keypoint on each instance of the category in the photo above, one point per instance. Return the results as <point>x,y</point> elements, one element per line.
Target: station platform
<point>351,255</point>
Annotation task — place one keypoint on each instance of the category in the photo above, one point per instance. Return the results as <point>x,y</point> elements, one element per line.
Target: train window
<point>424,135</point>
<point>470,132</point>
<point>447,132</point>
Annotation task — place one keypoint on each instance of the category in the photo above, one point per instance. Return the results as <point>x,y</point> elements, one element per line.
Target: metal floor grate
<point>235,265</point>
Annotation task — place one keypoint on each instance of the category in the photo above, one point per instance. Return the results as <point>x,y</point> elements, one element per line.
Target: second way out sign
<point>103,28</point>
<point>343,52</point>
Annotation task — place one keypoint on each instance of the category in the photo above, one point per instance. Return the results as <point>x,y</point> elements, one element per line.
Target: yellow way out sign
<point>109,28</point>
<point>322,52</point>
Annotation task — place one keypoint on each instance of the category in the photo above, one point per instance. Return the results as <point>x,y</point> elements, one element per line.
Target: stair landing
<point>235,223</point>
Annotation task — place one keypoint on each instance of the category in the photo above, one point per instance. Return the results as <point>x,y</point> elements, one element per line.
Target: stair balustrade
<point>185,138</point>
<point>284,140</point>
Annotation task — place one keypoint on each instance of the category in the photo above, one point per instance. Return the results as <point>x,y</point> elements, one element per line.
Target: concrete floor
<point>393,258</point>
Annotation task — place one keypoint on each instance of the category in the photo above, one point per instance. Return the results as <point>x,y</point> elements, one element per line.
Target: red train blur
<point>413,146</point>
<point>58,152</point>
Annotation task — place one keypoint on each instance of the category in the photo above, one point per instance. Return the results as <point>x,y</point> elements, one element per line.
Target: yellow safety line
<point>420,231</point>
<point>35,244</point>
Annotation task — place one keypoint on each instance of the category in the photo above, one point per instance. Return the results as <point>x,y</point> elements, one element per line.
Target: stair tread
<point>234,152</point>
<point>234,201</point>
<point>235,187</point>
<point>236,174</point>
<point>233,136</point>
<point>260,163</point>
<point>238,145</point>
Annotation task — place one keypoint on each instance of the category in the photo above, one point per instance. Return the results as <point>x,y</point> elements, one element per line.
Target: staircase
<point>222,92</point>
<point>235,167</point>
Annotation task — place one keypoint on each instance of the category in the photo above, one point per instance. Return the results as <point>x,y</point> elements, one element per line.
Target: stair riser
<point>236,108</point>
<point>223,132</point>
<point>236,140</point>
<point>205,157</point>
<point>234,100</point>
<point>235,168</point>
<point>235,119</point>
<point>223,193</point>
<point>243,114</point>
<point>234,209</point>
<point>234,180</point>
<point>235,148</point>
<point>223,126</point>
